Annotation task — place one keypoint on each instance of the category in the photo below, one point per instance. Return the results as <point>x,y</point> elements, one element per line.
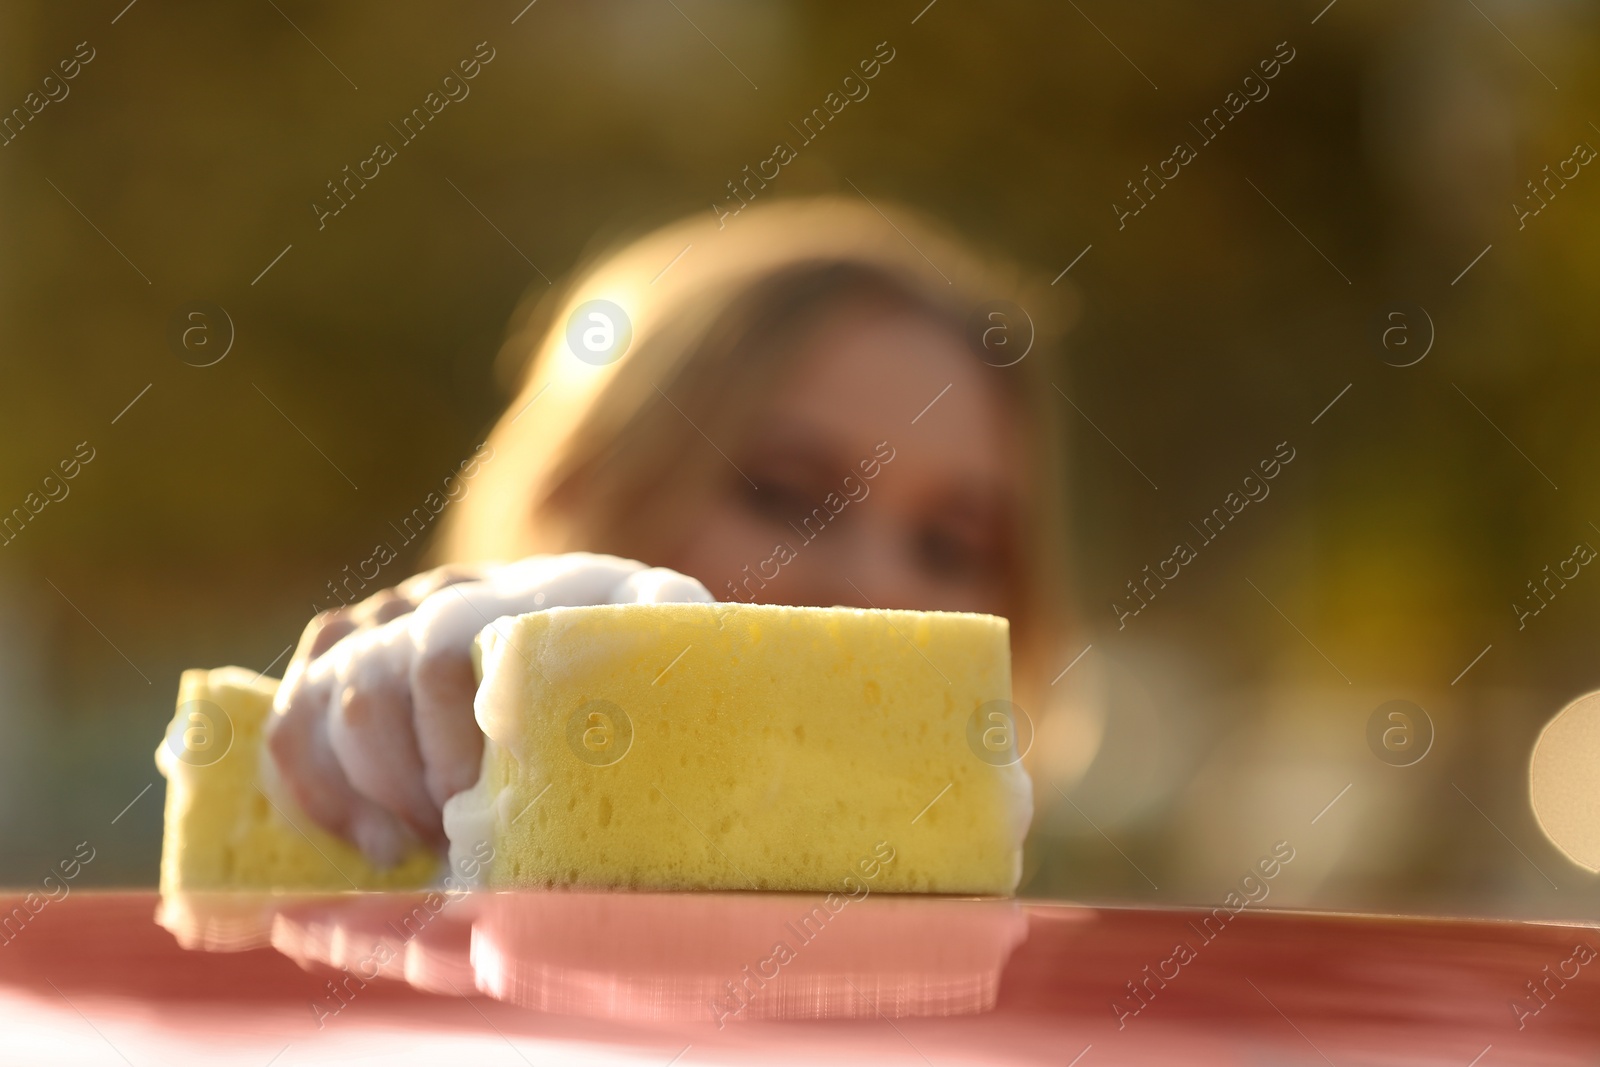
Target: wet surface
<point>591,977</point>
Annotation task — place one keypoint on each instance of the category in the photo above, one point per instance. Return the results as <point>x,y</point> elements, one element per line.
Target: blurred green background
<point>1218,322</point>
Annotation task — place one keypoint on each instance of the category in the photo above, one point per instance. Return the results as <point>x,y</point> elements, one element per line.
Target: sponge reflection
<point>643,957</point>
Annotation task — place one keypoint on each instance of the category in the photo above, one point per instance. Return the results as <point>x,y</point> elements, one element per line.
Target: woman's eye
<point>946,553</point>
<point>778,500</point>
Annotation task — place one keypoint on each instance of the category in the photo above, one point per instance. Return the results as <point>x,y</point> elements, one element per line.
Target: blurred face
<point>856,504</point>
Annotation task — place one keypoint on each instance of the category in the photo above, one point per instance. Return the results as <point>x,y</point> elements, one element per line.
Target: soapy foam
<point>469,818</point>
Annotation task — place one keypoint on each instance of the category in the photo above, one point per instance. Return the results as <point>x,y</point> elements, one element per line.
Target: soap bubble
<point>1399,733</point>
<point>599,733</point>
<point>1000,733</point>
<point>201,733</point>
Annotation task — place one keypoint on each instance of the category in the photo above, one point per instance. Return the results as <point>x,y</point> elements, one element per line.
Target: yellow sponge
<point>741,746</point>
<point>222,829</point>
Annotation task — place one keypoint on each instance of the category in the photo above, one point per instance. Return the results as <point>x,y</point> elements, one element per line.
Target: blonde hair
<point>616,457</point>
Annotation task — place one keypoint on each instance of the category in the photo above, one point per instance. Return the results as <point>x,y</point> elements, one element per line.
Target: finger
<point>381,607</point>
<point>443,682</point>
<point>323,632</point>
<point>370,727</point>
<point>449,742</point>
<point>658,585</point>
<point>419,587</point>
<point>298,704</point>
<point>573,580</point>
<point>309,771</point>
<point>386,604</point>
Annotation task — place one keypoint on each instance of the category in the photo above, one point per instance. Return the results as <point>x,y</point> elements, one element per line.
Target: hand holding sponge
<point>660,745</point>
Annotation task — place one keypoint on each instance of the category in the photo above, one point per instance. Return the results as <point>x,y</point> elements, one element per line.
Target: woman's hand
<point>373,725</point>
